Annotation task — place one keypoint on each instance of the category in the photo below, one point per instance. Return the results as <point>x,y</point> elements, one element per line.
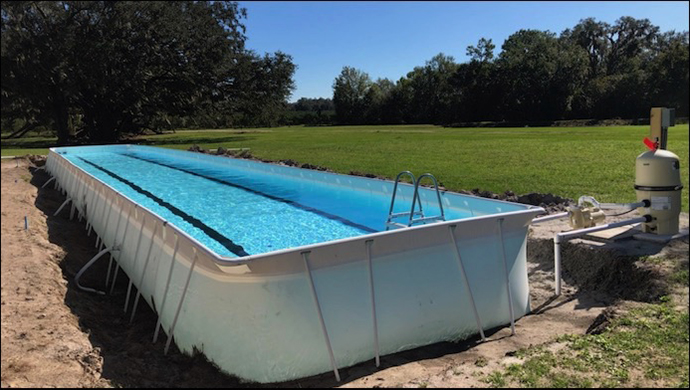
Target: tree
<point>628,39</point>
<point>350,91</point>
<point>121,67</point>
<point>591,36</point>
<point>431,89</point>
<point>483,52</point>
<point>541,75</point>
<point>36,42</point>
<point>668,82</point>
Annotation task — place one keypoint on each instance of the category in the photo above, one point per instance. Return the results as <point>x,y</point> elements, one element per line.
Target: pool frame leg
<point>99,240</point>
<point>62,206</point>
<point>124,237</point>
<point>368,245</point>
<point>117,230</point>
<point>48,182</point>
<point>179,305</point>
<point>505,269</point>
<point>87,266</point>
<point>451,231</point>
<point>165,292</point>
<point>134,261</point>
<point>143,272</point>
<point>305,256</point>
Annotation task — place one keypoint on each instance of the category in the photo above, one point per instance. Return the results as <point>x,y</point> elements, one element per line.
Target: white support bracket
<point>167,285</point>
<point>62,206</point>
<point>143,272</point>
<point>368,244</point>
<point>48,182</point>
<point>305,256</point>
<point>451,230</point>
<point>179,305</point>
<point>87,266</point>
<point>505,269</point>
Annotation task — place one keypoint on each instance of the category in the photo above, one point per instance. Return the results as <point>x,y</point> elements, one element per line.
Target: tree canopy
<point>98,70</point>
<point>593,70</point>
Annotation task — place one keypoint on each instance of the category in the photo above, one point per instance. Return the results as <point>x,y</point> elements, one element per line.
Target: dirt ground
<point>54,335</point>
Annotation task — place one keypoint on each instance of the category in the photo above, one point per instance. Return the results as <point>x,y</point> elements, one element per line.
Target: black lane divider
<point>253,191</point>
<point>226,242</point>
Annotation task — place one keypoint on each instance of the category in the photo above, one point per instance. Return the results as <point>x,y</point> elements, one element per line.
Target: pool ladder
<point>415,200</point>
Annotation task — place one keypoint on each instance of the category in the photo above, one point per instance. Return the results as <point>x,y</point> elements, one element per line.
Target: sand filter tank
<point>657,177</point>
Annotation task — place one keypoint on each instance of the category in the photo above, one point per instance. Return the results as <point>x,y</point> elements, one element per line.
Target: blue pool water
<point>237,212</point>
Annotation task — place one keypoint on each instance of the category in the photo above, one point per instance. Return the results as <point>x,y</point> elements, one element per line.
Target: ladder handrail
<point>395,189</point>
<point>416,195</point>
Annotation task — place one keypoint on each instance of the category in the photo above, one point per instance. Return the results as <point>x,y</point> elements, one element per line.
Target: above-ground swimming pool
<point>277,273</point>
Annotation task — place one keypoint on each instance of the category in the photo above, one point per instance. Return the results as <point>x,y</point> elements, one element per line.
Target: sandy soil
<point>55,335</point>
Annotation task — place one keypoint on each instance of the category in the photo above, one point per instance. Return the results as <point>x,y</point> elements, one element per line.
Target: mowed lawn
<point>597,161</point>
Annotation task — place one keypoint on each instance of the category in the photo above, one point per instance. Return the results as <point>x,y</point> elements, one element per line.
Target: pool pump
<point>657,177</point>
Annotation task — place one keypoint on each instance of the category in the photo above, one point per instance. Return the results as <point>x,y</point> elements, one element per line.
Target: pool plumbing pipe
<point>565,236</point>
<point>583,218</point>
<point>581,211</point>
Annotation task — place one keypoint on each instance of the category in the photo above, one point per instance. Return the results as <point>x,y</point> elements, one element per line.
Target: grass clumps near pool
<point>645,347</point>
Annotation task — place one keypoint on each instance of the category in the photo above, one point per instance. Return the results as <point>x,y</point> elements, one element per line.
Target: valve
<point>584,217</point>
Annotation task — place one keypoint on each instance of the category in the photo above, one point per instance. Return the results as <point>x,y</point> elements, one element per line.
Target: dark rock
<point>196,148</point>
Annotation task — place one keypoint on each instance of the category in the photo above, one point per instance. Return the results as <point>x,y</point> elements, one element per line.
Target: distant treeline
<point>311,112</point>
<point>594,70</point>
<point>95,71</point>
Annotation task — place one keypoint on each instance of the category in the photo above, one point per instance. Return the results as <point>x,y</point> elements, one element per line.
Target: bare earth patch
<point>55,335</point>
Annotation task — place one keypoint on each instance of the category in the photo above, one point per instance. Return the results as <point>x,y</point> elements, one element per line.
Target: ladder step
<point>426,219</point>
<point>405,214</point>
<point>396,224</point>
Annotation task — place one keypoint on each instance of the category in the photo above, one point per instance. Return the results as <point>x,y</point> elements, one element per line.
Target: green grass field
<point>597,161</point>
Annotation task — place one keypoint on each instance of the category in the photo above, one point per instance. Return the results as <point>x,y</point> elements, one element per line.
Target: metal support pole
<point>57,173</point>
<point>75,194</point>
<point>549,218</point>
<point>105,207</point>
<point>124,237</point>
<point>107,220</point>
<point>62,206</point>
<point>143,272</point>
<point>134,260</point>
<point>68,182</point>
<point>99,239</point>
<point>96,200</point>
<point>87,266</point>
<point>165,291</point>
<point>505,268</point>
<point>90,197</point>
<point>77,197</point>
<point>179,305</point>
<point>451,230</point>
<point>117,230</point>
<point>368,244</point>
<point>48,182</point>
<point>305,256</point>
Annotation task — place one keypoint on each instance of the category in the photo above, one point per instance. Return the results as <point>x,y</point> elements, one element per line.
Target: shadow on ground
<point>130,359</point>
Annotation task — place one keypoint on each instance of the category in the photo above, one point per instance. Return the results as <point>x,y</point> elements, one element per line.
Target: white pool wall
<point>255,316</point>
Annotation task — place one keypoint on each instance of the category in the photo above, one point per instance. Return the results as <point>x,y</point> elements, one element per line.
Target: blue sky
<point>388,39</point>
